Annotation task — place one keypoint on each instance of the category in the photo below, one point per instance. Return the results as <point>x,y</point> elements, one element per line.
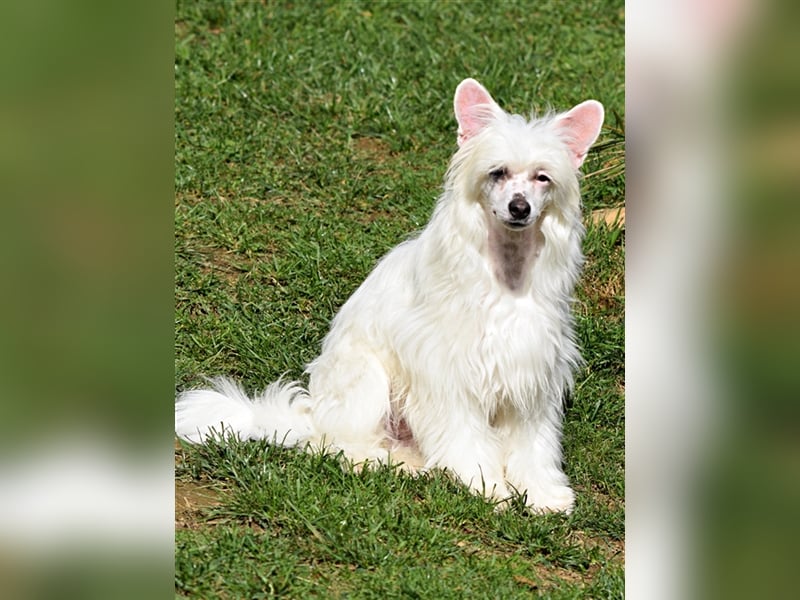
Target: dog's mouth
<point>516,225</point>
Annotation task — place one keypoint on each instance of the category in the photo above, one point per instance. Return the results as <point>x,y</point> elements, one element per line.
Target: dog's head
<point>514,167</point>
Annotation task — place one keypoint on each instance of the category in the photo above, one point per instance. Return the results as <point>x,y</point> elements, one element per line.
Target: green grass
<point>310,139</point>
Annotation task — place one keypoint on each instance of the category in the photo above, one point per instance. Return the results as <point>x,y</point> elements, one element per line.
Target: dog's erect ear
<point>474,108</point>
<point>582,126</point>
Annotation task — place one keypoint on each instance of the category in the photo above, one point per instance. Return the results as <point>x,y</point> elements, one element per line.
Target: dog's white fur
<point>458,349</point>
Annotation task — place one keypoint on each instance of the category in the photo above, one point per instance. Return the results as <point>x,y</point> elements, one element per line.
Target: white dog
<point>458,349</point>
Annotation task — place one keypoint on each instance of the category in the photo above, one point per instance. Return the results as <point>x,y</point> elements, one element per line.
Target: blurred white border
<point>677,231</point>
<point>81,492</point>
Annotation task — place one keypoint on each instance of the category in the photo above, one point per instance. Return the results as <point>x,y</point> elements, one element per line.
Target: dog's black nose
<point>519,207</point>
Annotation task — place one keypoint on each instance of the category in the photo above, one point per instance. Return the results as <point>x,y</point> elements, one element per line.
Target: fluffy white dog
<point>458,349</point>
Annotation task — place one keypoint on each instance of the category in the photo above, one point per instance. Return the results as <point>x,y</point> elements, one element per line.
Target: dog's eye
<point>543,178</point>
<point>498,174</point>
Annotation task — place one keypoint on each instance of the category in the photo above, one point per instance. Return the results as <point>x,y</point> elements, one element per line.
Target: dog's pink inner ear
<point>473,107</point>
<point>582,126</point>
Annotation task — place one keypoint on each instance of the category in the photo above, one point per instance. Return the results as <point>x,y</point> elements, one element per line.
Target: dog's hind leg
<point>350,391</point>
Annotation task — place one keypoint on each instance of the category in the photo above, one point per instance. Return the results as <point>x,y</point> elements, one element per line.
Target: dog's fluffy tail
<point>281,413</point>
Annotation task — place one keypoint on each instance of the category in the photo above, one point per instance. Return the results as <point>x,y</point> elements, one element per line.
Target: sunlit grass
<point>310,139</point>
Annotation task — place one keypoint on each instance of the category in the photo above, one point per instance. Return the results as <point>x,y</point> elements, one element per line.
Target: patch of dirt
<point>542,577</point>
<point>219,261</point>
<point>527,582</point>
<point>611,549</point>
<point>371,148</point>
<point>602,290</point>
<point>550,577</point>
<point>606,293</point>
<point>192,500</point>
<point>368,214</point>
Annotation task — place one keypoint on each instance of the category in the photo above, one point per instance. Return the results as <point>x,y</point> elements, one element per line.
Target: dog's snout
<point>519,207</point>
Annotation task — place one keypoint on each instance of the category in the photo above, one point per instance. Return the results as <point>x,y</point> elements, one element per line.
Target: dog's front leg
<point>533,443</point>
<point>456,436</point>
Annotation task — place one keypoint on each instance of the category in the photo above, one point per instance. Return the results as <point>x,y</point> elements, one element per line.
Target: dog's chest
<point>521,344</point>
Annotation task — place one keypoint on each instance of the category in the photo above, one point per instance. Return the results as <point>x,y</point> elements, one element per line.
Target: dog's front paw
<point>558,498</point>
<point>493,489</point>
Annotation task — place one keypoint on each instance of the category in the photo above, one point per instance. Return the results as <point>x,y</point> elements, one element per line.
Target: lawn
<point>310,138</point>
